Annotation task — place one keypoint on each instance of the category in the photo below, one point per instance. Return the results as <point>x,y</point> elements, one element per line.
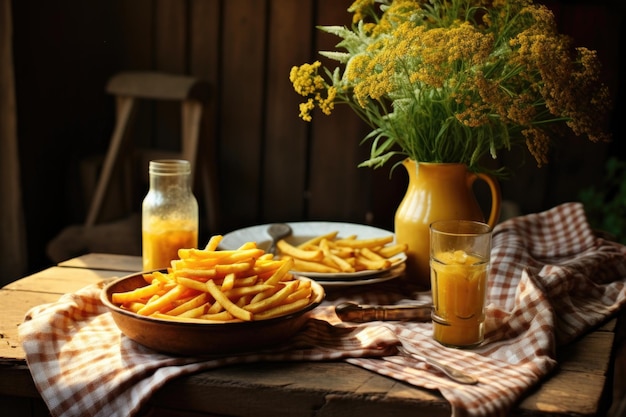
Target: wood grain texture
<point>285,163</point>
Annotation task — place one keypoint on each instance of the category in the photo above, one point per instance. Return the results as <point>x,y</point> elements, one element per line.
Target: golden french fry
<point>263,295</point>
<point>329,262</point>
<point>216,308</point>
<point>246,281</point>
<point>243,300</point>
<point>266,257</point>
<point>307,266</point>
<point>316,240</point>
<point>225,256</point>
<point>365,243</point>
<point>271,265</point>
<point>373,265</point>
<point>393,250</point>
<point>242,256</point>
<point>197,301</point>
<point>223,270</point>
<point>221,316</point>
<point>204,274</point>
<point>281,272</point>
<point>300,293</point>
<point>163,302</point>
<point>137,294</point>
<point>192,312</point>
<point>178,318</point>
<point>343,252</point>
<point>282,309</point>
<point>369,254</point>
<point>343,265</point>
<point>273,300</point>
<point>238,292</point>
<point>228,305</point>
<point>157,275</point>
<point>213,243</point>
<point>247,245</point>
<point>193,284</point>
<point>307,255</point>
<point>229,282</point>
<point>133,306</point>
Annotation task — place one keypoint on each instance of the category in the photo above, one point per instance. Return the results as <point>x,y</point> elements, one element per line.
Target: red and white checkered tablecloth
<point>552,280</point>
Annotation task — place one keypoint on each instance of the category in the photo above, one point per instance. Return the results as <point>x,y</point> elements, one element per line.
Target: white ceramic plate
<point>388,275</point>
<point>303,231</point>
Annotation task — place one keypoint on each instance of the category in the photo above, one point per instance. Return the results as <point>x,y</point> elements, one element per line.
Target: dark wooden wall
<point>272,166</point>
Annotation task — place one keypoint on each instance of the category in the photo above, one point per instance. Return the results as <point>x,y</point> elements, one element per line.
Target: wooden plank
<point>296,389</point>
<point>285,153</point>
<point>386,192</point>
<point>579,386</point>
<point>58,280</point>
<point>355,407</point>
<point>170,412</point>
<point>13,308</point>
<point>134,48</point>
<point>204,38</point>
<point>111,262</point>
<point>565,394</point>
<point>170,54</point>
<point>338,189</point>
<point>170,32</point>
<point>589,354</point>
<point>204,62</point>
<point>241,109</point>
<point>134,44</point>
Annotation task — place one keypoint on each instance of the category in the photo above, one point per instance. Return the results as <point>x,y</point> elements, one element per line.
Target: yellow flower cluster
<point>454,80</point>
<point>307,82</point>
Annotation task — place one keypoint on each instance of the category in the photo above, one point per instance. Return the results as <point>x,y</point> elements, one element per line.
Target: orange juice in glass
<point>459,264</point>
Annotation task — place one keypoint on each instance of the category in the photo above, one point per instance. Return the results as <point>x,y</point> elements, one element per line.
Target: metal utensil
<point>277,231</point>
<point>454,374</point>
<point>363,313</point>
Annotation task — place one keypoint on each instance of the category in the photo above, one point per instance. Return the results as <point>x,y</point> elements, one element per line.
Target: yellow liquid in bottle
<point>459,284</point>
<point>162,240</point>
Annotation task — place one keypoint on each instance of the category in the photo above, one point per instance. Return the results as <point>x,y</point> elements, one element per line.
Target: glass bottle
<point>169,218</point>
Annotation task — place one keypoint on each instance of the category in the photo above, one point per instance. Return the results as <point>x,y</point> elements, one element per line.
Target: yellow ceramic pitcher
<point>437,191</point>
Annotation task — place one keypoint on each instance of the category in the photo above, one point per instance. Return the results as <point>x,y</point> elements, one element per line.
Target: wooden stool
<point>128,88</point>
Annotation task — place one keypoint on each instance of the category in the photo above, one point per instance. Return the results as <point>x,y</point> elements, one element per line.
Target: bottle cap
<point>170,167</point>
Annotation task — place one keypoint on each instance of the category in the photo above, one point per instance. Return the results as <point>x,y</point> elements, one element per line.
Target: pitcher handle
<point>496,197</point>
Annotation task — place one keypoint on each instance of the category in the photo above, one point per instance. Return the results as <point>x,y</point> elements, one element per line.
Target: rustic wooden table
<point>580,387</point>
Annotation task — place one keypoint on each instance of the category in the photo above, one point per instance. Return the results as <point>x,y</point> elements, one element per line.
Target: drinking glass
<point>459,267</point>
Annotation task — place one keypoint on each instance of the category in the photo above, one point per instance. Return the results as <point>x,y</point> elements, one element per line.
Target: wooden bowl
<point>186,338</point>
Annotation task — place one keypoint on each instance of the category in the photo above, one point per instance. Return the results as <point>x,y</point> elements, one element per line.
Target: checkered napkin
<point>551,281</point>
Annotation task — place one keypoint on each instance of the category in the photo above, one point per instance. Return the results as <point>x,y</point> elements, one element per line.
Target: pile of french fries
<point>327,253</point>
<point>245,284</point>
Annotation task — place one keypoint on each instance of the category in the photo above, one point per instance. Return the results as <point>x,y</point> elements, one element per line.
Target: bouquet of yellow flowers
<point>457,80</point>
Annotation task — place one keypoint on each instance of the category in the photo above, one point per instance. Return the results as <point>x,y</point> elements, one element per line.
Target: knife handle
<point>364,313</point>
